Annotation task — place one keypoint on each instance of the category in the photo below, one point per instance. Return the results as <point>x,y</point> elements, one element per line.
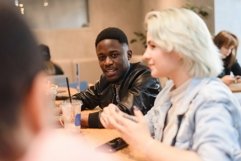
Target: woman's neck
<point>180,77</point>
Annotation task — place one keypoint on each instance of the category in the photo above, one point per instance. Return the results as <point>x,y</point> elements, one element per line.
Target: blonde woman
<point>195,117</point>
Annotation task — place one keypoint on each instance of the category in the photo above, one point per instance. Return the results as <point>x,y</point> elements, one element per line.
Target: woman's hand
<point>238,79</point>
<point>134,129</point>
<point>104,117</point>
<point>227,79</point>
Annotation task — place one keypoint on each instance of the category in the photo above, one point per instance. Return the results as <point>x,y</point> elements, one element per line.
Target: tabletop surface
<point>98,137</point>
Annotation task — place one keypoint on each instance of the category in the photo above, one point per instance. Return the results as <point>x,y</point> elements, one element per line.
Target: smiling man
<point>122,83</point>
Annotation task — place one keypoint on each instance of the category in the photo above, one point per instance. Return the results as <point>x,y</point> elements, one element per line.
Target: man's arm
<point>89,97</point>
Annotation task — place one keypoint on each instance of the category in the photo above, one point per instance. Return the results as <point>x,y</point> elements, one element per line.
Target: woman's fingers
<point>116,120</point>
<point>122,121</point>
<point>138,113</point>
<point>112,116</point>
<point>104,120</point>
<point>104,117</point>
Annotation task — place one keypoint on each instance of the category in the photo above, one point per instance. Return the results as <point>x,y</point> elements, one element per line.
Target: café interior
<point>69,28</point>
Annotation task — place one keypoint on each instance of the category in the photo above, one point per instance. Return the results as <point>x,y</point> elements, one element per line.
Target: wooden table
<point>236,89</point>
<point>97,137</point>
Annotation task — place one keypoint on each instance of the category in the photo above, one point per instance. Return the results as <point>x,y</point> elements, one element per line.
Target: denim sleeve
<point>148,117</point>
<point>216,136</point>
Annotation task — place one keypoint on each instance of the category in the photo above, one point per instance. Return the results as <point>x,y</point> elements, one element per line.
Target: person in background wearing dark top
<point>122,83</point>
<point>25,134</point>
<point>49,66</point>
<point>227,43</point>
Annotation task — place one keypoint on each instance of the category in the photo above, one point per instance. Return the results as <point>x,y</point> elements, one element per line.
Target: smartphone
<point>61,98</point>
<point>112,145</point>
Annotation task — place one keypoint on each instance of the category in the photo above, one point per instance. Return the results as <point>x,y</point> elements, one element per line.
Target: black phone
<point>112,145</point>
<point>61,98</point>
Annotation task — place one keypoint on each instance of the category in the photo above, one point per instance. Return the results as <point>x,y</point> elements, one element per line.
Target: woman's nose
<point>145,55</point>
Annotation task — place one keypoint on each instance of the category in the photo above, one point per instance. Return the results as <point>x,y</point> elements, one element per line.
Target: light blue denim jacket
<point>207,122</point>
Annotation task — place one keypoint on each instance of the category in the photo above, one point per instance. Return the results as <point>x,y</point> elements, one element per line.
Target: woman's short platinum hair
<point>183,32</point>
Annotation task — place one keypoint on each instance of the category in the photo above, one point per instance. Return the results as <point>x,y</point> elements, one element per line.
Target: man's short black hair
<point>112,33</point>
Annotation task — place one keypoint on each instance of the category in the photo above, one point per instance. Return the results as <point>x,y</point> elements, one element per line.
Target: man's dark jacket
<point>136,87</point>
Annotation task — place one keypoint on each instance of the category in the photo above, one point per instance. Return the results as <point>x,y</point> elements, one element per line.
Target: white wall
<point>70,45</point>
<point>208,6</point>
<point>227,17</point>
<point>57,14</point>
<point>79,42</point>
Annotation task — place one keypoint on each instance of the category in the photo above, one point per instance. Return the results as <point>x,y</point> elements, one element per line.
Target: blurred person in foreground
<point>122,83</point>
<point>50,67</point>
<point>25,133</point>
<point>227,43</point>
<point>195,117</point>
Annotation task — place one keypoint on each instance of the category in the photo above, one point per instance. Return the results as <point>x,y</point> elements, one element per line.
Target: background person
<point>50,67</point>
<point>228,43</point>
<point>195,117</point>
<point>122,83</point>
<point>24,131</point>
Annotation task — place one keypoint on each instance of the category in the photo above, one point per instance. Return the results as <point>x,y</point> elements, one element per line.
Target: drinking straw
<point>67,81</point>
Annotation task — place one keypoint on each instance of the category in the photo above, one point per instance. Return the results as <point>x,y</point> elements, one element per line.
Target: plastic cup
<point>53,91</point>
<point>71,115</point>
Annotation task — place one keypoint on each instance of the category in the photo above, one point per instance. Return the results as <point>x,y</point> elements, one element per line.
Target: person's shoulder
<point>220,92</point>
<point>139,67</point>
<point>141,73</point>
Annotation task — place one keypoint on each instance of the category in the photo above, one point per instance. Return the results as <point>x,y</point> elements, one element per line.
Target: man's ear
<point>129,54</point>
<point>33,105</point>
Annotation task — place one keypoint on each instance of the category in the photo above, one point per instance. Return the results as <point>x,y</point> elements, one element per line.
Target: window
<point>54,14</point>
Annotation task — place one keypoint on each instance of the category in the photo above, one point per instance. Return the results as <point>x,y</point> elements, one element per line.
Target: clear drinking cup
<point>71,115</point>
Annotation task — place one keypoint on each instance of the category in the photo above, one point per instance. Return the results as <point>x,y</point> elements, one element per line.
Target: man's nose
<point>108,60</point>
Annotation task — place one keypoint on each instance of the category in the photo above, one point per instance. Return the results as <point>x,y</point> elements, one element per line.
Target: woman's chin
<point>154,74</point>
<point>223,56</point>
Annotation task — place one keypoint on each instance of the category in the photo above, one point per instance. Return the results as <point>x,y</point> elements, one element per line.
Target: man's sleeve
<point>89,97</point>
<point>142,93</point>
<point>94,120</point>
